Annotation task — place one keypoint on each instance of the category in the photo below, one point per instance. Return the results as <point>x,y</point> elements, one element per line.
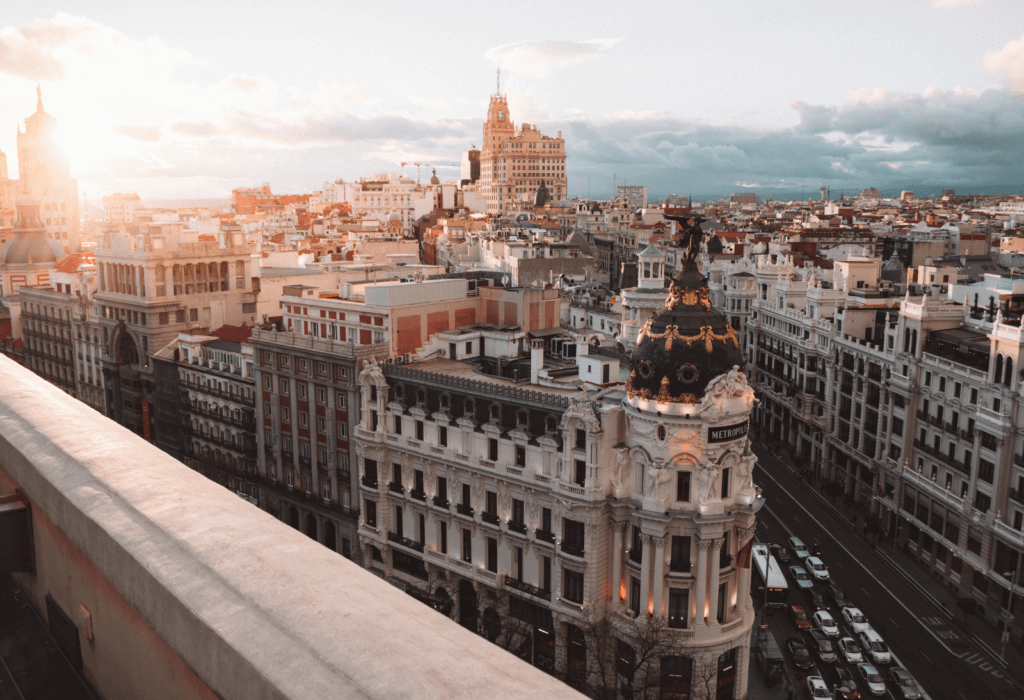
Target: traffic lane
<point>894,608</point>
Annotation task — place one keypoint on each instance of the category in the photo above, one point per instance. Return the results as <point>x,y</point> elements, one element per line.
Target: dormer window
<point>469,406</point>
<point>522,418</point>
<point>421,396</point>
<point>495,412</point>
<point>399,392</point>
<point>444,401</point>
<point>552,424</point>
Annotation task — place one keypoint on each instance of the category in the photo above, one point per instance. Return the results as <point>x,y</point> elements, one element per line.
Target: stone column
<point>617,533</point>
<point>702,580</point>
<point>659,575</point>
<point>645,573</point>
<point>716,552</point>
<point>743,575</point>
<point>742,669</point>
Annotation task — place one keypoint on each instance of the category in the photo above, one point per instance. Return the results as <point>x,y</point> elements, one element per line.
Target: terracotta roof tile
<point>237,334</point>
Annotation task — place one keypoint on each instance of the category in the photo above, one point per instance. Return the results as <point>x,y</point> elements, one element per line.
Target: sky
<point>186,100</point>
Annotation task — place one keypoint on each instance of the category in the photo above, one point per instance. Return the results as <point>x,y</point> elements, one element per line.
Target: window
<point>342,429</point>
<point>467,546</point>
<point>545,574</point>
<point>492,555</point>
<point>683,486</point>
<point>725,483</point>
<point>371,513</point>
<point>982,502</point>
<point>321,424</point>
<point>303,419</point>
<point>572,589</point>
<point>339,400</point>
<point>520,456</point>
<point>286,414</point>
<point>634,594</point>
<point>581,439</point>
<point>573,537</point>
<point>495,412</point>
<point>268,383</point>
<point>283,386</point>
<point>442,536</point>
<point>986,470</point>
<point>580,472</point>
<point>302,389</point>
<point>398,425</point>
<point>678,607</point>
<point>545,520</point>
<point>492,449</point>
<point>680,553</point>
<point>321,395</point>
<point>419,430</point>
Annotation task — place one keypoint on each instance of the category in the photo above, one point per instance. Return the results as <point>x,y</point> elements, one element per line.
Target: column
<point>617,530</point>
<point>716,552</point>
<point>702,580</point>
<point>659,575</point>
<point>743,578</point>
<point>645,573</point>
<point>742,669</point>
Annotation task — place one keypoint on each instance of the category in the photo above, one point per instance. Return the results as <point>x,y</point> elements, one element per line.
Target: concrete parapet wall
<point>195,592</point>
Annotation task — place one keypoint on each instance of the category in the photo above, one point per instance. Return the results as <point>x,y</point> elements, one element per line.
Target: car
<point>872,679</point>
<point>850,650</point>
<point>817,568</point>
<point>904,683</point>
<point>822,647</point>
<point>824,621</point>
<point>873,645</point>
<point>798,650</point>
<point>799,617</point>
<point>842,682</point>
<point>815,600</point>
<point>837,595</point>
<point>816,687</point>
<point>855,619</point>
<point>798,548</point>
<point>780,553</point>
<point>802,578</point>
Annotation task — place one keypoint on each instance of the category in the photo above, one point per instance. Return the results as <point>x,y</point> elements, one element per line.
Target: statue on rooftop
<point>691,235</point>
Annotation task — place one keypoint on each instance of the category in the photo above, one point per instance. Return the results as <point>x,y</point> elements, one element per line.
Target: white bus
<point>770,577</point>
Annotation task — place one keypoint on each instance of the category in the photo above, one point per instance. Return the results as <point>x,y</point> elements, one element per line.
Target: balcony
<point>395,487</point>
<point>1018,460</point>
<point>1016,496</point>
<point>636,554</point>
<point>490,518</point>
<point>161,600</point>
<point>545,536</point>
<point>463,509</point>
<point>514,526</point>
<point>418,494</point>
<point>967,435</point>
<point>405,542</point>
<point>441,502</point>
<point>527,588</point>
<point>369,482</point>
<point>305,463</point>
<point>573,550</point>
<point>950,428</point>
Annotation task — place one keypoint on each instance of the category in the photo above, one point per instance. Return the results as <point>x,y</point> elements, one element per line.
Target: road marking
<point>862,566</point>
<point>926,657</point>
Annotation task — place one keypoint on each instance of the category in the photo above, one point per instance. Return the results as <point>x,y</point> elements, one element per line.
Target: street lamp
<point>1012,575</point>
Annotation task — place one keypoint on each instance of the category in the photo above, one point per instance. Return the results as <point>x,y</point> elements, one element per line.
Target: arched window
<point>1008,374</point>
<point>522,418</point>
<point>552,424</point>
<point>444,400</point>
<point>469,406</point>
<point>495,412</point>
<point>421,396</point>
<point>913,342</point>
<point>999,369</point>
<point>661,432</point>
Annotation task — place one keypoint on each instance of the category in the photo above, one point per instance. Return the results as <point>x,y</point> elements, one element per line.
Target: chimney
<point>536,360</point>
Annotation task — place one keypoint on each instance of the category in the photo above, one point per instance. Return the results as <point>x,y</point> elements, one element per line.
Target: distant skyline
<point>708,98</point>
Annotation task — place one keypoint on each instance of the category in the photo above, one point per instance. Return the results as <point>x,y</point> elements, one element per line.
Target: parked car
<point>904,683</point>
<point>801,577</point>
<point>840,599</point>
<point>850,650</point>
<point>816,687</point>
<point>855,619</point>
<point>798,548</point>
<point>815,600</point>
<point>824,621</point>
<point>822,647</point>
<point>798,651</point>
<point>780,553</point>
<point>799,617</point>
<point>872,679</point>
<point>873,645</point>
<point>842,682</point>
<point>817,568</point>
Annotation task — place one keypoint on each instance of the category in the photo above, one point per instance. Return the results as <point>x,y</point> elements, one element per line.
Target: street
<point>947,664</point>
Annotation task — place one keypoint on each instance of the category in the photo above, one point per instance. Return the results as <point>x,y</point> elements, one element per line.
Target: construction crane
<point>429,165</point>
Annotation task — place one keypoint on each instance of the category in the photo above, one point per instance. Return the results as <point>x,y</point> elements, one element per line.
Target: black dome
<point>684,346</point>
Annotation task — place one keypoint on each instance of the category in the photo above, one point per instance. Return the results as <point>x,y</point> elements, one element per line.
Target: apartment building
<point>524,510</point>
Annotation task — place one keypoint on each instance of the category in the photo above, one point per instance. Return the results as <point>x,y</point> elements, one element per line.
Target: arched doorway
<point>442,601</point>
<point>492,624</point>
<point>467,605</point>
<point>330,536</point>
<point>126,349</point>
<point>293,517</point>
<point>311,526</point>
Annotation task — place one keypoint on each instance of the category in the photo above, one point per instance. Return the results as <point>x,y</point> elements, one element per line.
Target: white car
<point>816,687</point>
<point>856,620</point>
<point>850,650</point>
<point>798,548</point>
<point>802,578</point>
<point>817,568</point>
<point>872,679</point>
<point>826,623</point>
<point>872,644</point>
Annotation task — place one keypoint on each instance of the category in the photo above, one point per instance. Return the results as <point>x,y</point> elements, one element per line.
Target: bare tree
<point>705,674</point>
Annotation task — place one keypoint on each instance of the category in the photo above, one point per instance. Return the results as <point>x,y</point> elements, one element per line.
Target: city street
<point>923,640</point>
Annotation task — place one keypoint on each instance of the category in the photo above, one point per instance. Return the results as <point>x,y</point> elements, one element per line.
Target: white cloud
<point>1010,62</point>
<point>535,58</point>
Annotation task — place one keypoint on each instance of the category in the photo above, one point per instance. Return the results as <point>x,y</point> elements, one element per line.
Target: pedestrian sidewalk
<point>978,629</point>
<point>757,689</point>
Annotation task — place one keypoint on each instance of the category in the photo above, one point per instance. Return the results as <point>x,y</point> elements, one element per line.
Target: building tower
<point>687,412</point>
<point>26,259</point>
<point>44,174</point>
<point>641,302</point>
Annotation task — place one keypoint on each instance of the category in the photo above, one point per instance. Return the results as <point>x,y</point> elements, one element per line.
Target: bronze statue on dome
<point>691,235</point>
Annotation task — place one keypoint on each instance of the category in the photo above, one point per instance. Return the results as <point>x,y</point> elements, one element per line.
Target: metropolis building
<point>563,523</point>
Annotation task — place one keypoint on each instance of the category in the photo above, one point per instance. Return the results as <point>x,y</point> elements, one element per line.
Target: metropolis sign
<point>727,432</point>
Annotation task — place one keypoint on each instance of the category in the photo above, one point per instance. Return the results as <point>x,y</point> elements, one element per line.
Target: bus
<point>770,577</point>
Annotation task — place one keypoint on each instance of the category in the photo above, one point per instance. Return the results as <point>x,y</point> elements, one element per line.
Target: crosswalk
<point>959,647</point>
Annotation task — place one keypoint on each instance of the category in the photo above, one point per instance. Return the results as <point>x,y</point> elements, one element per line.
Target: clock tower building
<point>515,162</point>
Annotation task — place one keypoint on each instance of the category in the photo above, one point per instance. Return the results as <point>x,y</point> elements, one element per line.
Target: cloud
<point>535,58</point>
<point>139,133</point>
<point>953,3</point>
<point>1010,62</point>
